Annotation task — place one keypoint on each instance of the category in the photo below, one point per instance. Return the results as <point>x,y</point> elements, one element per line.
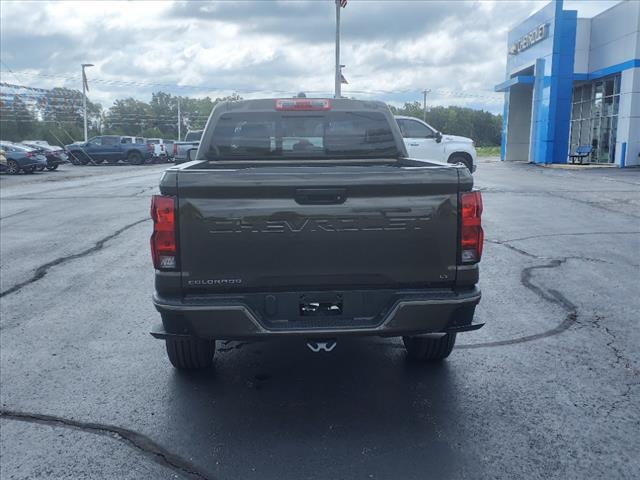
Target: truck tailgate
<point>301,228</point>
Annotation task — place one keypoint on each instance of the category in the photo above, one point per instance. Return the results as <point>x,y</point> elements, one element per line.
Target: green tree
<point>128,117</point>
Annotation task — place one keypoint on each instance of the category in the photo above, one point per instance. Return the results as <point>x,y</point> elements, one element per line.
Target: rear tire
<point>29,170</point>
<point>81,158</point>
<point>429,349</point>
<point>134,158</point>
<point>190,353</point>
<point>51,168</point>
<point>462,159</point>
<point>12,167</point>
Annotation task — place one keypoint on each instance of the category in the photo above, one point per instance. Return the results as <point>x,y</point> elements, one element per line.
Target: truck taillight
<point>471,233</point>
<point>163,238</point>
<point>297,104</point>
<point>175,149</point>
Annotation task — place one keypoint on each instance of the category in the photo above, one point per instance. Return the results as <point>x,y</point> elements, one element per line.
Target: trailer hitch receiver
<point>317,346</point>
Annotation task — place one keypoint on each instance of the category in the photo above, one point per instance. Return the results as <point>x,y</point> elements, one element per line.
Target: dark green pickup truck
<point>304,217</point>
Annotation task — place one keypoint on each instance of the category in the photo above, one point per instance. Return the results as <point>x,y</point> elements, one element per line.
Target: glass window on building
<point>594,117</point>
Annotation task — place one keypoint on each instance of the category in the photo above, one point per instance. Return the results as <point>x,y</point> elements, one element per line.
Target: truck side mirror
<point>438,137</point>
<point>191,153</point>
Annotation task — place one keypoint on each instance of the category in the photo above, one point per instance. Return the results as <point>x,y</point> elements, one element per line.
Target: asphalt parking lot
<point>549,388</point>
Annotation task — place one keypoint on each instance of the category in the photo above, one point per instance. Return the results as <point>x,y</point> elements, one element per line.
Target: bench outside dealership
<point>573,82</point>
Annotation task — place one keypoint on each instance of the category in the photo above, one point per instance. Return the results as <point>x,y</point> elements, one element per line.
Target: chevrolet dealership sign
<point>534,36</point>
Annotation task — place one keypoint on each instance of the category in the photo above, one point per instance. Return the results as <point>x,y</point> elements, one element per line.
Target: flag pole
<point>85,87</point>
<point>338,93</point>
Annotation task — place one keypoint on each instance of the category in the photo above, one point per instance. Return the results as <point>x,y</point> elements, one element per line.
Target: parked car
<point>305,218</point>
<point>168,144</point>
<point>21,158</point>
<point>159,149</point>
<point>181,149</point>
<point>129,139</point>
<point>55,155</point>
<point>424,142</point>
<point>35,142</point>
<point>110,148</point>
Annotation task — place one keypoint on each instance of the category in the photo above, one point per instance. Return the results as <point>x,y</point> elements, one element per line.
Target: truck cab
<point>426,143</point>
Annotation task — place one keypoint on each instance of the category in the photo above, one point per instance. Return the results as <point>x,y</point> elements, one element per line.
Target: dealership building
<point>573,82</point>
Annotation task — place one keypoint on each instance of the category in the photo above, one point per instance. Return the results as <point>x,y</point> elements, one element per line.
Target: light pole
<point>85,87</point>
<point>179,122</point>
<point>338,92</point>
<point>424,104</point>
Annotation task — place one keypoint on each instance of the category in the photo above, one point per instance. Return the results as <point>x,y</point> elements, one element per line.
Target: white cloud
<point>392,49</point>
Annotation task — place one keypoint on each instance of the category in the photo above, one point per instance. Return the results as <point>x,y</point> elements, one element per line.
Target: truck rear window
<point>301,135</point>
<point>193,136</point>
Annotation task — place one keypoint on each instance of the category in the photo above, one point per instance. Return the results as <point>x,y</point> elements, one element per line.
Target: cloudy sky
<point>392,49</point>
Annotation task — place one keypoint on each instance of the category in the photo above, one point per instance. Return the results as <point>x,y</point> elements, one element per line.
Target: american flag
<point>341,3</point>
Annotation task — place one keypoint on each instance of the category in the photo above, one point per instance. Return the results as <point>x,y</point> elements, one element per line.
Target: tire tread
<point>429,349</point>
<point>190,353</point>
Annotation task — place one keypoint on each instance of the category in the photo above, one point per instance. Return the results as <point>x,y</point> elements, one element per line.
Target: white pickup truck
<point>426,143</point>
<point>160,152</point>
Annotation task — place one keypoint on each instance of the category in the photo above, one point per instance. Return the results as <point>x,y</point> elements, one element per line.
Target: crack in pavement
<point>550,295</point>
<point>511,247</point>
<point>82,197</point>
<point>13,214</point>
<point>546,192</point>
<point>568,235</point>
<point>42,270</point>
<point>505,243</point>
<point>594,204</point>
<point>620,359</point>
<point>91,180</point>
<point>136,440</point>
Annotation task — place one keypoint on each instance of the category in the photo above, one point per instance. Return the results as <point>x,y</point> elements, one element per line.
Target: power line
<point>440,91</point>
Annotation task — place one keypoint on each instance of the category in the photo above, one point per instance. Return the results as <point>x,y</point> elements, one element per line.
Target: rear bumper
<point>54,160</point>
<point>404,313</point>
<point>28,162</point>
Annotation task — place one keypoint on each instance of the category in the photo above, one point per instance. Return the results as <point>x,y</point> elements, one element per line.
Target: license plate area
<point>320,309</point>
<point>319,305</point>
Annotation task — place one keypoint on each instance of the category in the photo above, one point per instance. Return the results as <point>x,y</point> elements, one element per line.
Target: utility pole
<point>338,92</point>
<point>85,87</point>
<point>424,104</point>
<point>179,122</point>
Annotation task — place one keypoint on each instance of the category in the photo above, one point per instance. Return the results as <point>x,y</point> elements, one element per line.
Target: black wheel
<point>81,158</point>
<point>40,168</point>
<point>134,158</point>
<point>51,168</point>
<point>12,167</point>
<point>430,348</point>
<point>190,353</point>
<point>461,159</point>
<point>29,170</point>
